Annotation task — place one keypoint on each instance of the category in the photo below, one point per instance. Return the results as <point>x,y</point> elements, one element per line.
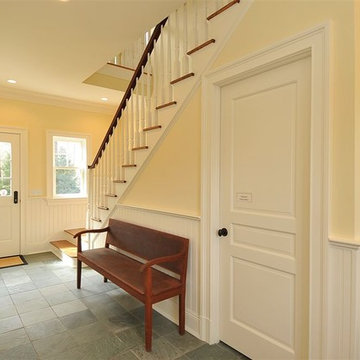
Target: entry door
<point>264,261</point>
<point>9,184</point>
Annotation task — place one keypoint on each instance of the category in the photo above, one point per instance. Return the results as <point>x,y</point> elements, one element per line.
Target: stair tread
<point>221,10</point>
<point>66,247</point>
<point>72,232</point>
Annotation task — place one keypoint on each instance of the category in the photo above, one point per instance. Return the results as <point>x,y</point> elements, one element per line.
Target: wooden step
<point>73,232</point>
<point>128,165</point>
<point>119,181</point>
<point>152,128</point>
<point>227,6</point>
<point>65,247</point>
<point>166,105</point>
<point>206,43</point>
<point>96,219</point>
<point>182,78</point>
<point>140,148</point>
<point>103,208</point>
<point>111,195</point>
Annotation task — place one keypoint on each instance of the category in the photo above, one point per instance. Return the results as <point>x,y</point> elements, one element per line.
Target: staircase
<point>175,54</point>
<point>66,250</point>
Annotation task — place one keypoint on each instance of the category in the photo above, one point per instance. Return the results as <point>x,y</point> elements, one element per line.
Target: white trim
<point>50,134</point>
<point>160,212</point>
<point>23,135</point>
<point>315,41</point>
<point>344,243</point>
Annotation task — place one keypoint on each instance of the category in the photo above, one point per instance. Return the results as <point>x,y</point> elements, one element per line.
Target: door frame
<point>314,43</point>
<point>23,181</point>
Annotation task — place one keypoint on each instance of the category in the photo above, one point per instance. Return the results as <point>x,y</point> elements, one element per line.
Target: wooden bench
<point>130,266</point>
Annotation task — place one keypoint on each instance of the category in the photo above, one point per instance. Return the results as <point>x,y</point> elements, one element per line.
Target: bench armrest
<point>162,259</point>
<point>78,235</point>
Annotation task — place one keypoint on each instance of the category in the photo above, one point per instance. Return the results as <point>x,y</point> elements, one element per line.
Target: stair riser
<point>63,257</point>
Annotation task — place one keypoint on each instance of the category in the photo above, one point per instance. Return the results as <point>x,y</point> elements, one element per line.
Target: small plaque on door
<point>244,197</point>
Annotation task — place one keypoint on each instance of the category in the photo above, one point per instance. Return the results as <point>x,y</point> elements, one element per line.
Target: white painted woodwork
<point>47,219</point>
<point>10,212</point>
<point>264,192</point>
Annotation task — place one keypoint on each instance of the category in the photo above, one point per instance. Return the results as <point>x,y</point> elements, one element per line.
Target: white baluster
<point>148,121</point>
<point>143,107</point>
<point>176,70</point>
<point>169,60</point>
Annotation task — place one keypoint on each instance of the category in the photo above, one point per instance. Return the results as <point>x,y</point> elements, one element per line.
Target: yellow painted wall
<point>267,22</point>
<point>171,180</point>
<point>37,119</point>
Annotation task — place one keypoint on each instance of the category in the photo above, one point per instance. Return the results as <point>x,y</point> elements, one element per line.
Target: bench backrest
<point>148,243</point>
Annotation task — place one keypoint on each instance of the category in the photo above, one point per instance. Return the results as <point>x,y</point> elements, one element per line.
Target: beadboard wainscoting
<point>343,300</point>
<point>46,220</point>
<point>182,225</point>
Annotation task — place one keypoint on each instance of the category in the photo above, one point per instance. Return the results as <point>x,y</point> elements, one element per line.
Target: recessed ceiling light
<point>11,81</point>
<point>104,99</point>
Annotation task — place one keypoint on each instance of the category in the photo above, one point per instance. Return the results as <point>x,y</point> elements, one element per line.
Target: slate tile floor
<point>44,316</point>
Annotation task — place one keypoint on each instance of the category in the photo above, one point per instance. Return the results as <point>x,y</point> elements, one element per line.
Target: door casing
<point>315,43</point>
<point>23,136</point>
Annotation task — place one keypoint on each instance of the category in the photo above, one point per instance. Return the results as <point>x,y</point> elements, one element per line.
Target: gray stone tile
<point>128,355</point>
<point>21,352</point>
<point>89,333</point>
<point>107,311</point>
<point>21,288</point>
<point>4,291</point>
<point>38,258</point>
<point>77,319</point>
<point>98,301</point>
<point>104,349</point>
<point>184,343</point>
<point>54,280</point>
<point>183,357</point>
<point>59,297</point>
<point>6,300</point>
<point>65,274</point>
<point>12,339</point>
<point>162,325</point>
<point>120,322</point>
<point>10,323</point>
<point>45,328</point>
<point>134,336</point>
<point>26,296</point>
<point>31,305</point>
<point>74,353</point>
<point>161,349</point>
<point>69,308</point>
<point>7,311</point>
<point>15,279</point>
<point>54,345</point>
<point>211,352</point>
<point>37,316</point>
<point>126,301</point>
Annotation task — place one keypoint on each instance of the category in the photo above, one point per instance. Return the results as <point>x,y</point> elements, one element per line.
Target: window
<point>5,169</point>
<point>69,162</point>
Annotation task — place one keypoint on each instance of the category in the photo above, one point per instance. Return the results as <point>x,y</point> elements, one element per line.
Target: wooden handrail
<point>138,71</point>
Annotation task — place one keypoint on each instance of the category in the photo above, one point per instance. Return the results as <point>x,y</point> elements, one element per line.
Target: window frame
<point>51,168</point>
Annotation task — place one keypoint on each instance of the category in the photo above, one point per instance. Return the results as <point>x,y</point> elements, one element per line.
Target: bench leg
<point>105,279</point>
<point>79,274</point>
<point>148,326</point>
<point>182,314</point>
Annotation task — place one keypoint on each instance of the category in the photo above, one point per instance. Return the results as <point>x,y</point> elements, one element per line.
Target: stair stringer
<point>183,93</point>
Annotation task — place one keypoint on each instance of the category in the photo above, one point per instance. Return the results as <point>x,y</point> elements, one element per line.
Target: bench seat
<point>125,271</point>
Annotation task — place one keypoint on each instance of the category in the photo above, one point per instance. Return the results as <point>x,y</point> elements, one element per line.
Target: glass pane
<point>68,153</point>
<point>68,182</point>
<point>5,169</point>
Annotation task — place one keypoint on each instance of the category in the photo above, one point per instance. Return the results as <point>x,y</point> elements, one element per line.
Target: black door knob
<point>222,232</point>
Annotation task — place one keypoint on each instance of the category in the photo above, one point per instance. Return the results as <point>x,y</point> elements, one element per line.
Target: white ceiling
<point>51,46</point>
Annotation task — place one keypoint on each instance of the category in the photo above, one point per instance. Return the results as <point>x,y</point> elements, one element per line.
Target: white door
<point>264,261</point>
<point>9,187</point>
